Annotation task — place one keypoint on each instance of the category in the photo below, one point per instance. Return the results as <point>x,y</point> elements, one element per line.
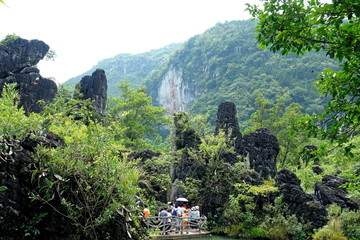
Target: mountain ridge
<point>223,64</point>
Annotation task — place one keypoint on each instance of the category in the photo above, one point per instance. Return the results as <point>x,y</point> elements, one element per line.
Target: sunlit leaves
<point>135,115</point>
<point>298,26</point>
<point>13,120</point>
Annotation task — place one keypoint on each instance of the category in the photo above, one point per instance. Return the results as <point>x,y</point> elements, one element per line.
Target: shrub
<point>280,225</point>
<point>92,182</point>
<point>13,121</point>
<point>9,38</point>
<point>327,233</point>
<point>351,224</point>
<point>338,222</point>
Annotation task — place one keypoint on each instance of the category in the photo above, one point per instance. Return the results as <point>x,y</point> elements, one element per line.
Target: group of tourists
<point>176,216</point>
<point>183,210</point>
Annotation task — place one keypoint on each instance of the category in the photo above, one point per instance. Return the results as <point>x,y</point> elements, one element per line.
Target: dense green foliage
<point>134,118</point>
<point>225,63</point>
<point>85,180</point>
<point>300,26</point>
<point>342,225</point>
<point>12,120</point>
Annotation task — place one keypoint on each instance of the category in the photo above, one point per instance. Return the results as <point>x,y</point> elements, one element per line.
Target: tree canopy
<point>299,26</point>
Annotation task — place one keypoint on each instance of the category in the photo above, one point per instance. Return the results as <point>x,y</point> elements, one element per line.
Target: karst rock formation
<point>18,59</point>
<point>94,87</point>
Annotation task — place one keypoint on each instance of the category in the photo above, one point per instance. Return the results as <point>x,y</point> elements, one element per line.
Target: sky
<point>83,32</point>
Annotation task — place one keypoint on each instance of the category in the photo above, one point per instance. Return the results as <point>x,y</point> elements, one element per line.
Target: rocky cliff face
<point>94,87</point>
<point>19,54</point>
<point>176,93</point>
<point>18,59</point>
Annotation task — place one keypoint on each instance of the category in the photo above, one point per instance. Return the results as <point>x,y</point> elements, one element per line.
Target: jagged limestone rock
<point>94,87</point>
<point>228,123</point>
<point>32,88</point>
<point>17,208</point>
<point>303,205</point>
<point>17,65</point>
<point>330,191</point>
<point>19,54</point>
<point>260,149</point>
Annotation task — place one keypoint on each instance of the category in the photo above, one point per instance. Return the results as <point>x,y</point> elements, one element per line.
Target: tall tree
<point>299,26</point>
<point>136,116</point>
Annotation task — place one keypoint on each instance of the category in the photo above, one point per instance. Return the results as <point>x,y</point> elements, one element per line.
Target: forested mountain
<point>223,63</point>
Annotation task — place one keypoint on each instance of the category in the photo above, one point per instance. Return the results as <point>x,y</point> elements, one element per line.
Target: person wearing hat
<point>171,206</point>
<point>197,210</point>
<point>193,217</point>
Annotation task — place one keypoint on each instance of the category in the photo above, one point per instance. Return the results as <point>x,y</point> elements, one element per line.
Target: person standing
<point>197,211</point>
<point>146,211</point>
<point>163,216</point>
<point>181,211</point>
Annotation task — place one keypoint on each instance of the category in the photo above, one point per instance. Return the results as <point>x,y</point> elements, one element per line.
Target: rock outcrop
<point>303,205</point>
<point>94,87</point>
<point>228,123</point>
<point>18,54</point>
<point>260,149</point>
<point>32,88</point>
<point>17,65</point>
<point>330,191</point>
<point>143,155</point>
<point>176,93</point>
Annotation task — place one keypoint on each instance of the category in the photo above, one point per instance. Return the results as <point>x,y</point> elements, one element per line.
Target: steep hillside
<point>132,67</point>
<point>225,63</point>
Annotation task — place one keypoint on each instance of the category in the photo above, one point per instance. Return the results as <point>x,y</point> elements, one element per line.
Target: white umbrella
<point>182,199</point>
